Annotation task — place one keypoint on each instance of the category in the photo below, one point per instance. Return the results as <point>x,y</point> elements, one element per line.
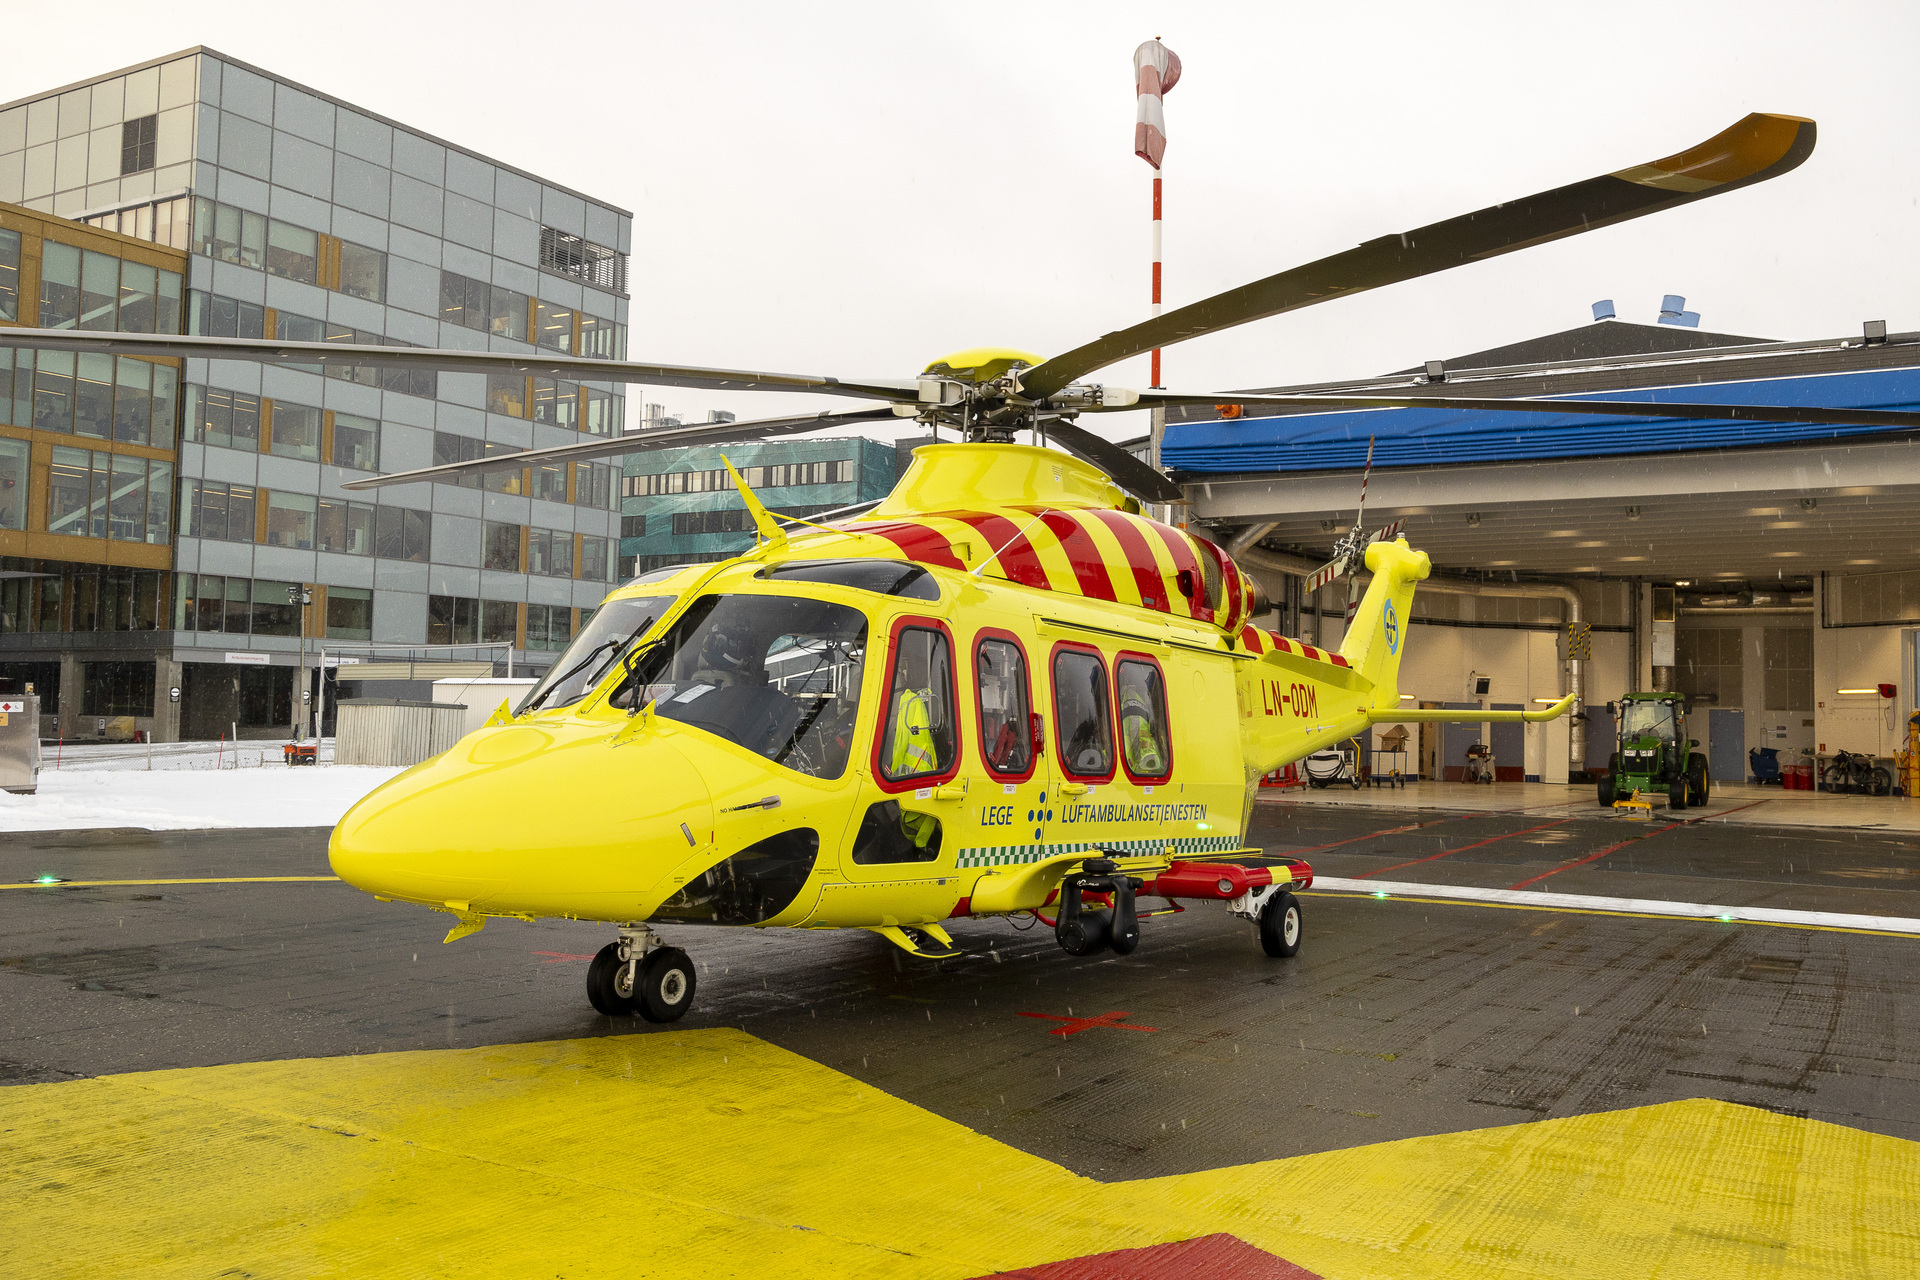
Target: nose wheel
<point>641,975</point>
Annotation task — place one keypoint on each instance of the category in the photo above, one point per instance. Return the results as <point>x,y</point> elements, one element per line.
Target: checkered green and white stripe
<point>1017,854</point>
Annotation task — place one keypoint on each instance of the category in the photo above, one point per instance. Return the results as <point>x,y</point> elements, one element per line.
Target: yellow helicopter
<point>1004,689</point>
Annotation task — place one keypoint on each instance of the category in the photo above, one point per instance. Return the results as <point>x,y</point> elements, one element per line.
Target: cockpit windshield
<point>1648,720</point>
<point>611,632</point>
<point>778,675</point>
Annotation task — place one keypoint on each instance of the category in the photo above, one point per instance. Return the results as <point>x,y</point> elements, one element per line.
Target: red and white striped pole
<point>1155,382</point>
<point>1156,69</point>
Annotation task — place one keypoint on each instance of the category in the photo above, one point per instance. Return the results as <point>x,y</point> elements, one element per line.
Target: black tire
<point>1834,780</point>
<point>666,985</point>
<point>1282,926</point>
<point>1698,783</point>
<point>1879,781</point>
<point>1677,793</point>
<point>1357,783</point>
<point>606,983</point>
<point>1087,934</point>
<point>1605,787</point>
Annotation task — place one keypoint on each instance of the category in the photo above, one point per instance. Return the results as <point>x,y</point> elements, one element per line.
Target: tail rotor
<point>1350,553</point>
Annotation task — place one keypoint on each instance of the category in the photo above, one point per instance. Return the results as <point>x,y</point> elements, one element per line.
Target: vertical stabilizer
<point>1378,634</point>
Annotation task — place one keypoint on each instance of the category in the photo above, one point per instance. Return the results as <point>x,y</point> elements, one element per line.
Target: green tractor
<point>1655,753</point>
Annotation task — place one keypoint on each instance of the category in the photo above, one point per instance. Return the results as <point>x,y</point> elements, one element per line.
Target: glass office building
<point>304,217</point>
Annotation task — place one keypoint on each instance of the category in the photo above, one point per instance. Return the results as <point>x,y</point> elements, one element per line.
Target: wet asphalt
<point>1397,1019</point>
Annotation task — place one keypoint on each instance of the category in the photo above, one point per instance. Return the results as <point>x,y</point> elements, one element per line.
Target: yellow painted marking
<point>1595,911</point>
<point>95,884</point>
<point>524,1160</point>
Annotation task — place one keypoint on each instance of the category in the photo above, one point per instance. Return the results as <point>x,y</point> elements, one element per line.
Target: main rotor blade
<point>1889,418</point>
<point>1125,470</point>
<point>540,364</point>
<point>1753,150</point>
<point>633,442</point>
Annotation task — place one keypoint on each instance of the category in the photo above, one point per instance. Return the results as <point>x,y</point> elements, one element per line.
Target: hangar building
<point>1775,568</point>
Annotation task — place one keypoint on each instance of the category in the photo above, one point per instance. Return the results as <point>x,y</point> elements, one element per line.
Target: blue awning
<point>1432,437</point>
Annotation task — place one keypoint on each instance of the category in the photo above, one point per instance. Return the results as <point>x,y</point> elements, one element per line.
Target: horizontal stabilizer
<point>1324,672</point>
<point>1442,716</point>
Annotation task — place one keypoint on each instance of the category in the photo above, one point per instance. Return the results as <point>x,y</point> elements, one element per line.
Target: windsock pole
<point>1155,383</point>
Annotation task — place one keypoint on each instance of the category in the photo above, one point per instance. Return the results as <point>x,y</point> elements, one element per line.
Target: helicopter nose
<point>523,818</point>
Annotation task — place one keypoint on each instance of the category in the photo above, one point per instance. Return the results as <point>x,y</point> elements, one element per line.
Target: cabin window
<point>777,675</point>
<point>917,737</point>
<point>1082,719</point>
<point>890,834</point>
<point>1006,741</point>
<point>1142,695</point>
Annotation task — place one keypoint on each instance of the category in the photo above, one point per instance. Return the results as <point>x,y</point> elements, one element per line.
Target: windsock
<point>1156,69</point>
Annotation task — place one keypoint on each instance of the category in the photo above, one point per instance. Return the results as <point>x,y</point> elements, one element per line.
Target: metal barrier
<point>388,731</point>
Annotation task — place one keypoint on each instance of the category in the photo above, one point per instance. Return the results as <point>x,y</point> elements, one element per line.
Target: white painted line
<point>1638,906</point>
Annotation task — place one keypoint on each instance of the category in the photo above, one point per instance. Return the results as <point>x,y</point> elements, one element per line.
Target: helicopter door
<point>1079,812</point>
<point>1007,804</point>
<point>905,837</point>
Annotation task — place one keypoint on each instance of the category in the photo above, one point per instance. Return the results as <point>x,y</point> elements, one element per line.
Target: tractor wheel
<point>1606,790</point>
<point>1677,793</point>
<point>1699,785</point>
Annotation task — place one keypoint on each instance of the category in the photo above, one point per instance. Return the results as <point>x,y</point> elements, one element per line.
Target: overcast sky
<point>857,189</point>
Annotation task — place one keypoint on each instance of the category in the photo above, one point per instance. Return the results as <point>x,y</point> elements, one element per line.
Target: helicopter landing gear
<point>1081,932</point>
<point>1277,913</point>
<point>640,974</point>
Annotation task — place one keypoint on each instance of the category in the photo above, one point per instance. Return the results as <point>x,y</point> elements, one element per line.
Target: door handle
<point>1073,788</point>
<point>764,802</point>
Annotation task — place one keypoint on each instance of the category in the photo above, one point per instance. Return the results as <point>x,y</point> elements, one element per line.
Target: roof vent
<point>1673,310</point>
<point>1874,332</point>
<point>1603,309</point>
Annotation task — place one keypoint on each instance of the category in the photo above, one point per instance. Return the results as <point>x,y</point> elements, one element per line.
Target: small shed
<point>390,731</point>
<point>482,695</point>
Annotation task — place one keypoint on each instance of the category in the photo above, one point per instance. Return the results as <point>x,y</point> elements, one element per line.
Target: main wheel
<point>666,985</point>
<point>1087,934</point>
<point>1281,926</point>
<point>607,985</point>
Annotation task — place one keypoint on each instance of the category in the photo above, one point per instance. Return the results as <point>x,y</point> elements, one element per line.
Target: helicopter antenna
<point>763,521</point>
<point>982,566</point>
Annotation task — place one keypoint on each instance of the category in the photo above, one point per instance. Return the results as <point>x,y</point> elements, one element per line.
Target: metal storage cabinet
<point>20,743</point>
<point>388,731</point>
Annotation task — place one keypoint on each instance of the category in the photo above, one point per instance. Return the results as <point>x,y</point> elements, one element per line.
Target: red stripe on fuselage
<point>1089,566</point>
<point>1016,558</point>
<point>1146,572</point>
<point>920,542</point>
<point>1183,558</point>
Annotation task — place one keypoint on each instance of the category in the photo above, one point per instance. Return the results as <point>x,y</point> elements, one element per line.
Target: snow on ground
<point>113,787</point>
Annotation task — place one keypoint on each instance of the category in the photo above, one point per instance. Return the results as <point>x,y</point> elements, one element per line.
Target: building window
<point>549,626</point>
<point>553,326</point>
<point>569,255</point>
<point>780,476</point>
<point>550,482</point>
<point>59,286</point>
<point>274,612</point>
<point>400,533</point>
<point>356,442</point>
<point>227,234</point>
<point>14,473</point>
<point>93,397</point>
<point>449,448</point>
<point>293,253</point>
<point>295,431</point>
<point>499,622</point>
<point>217,317</point>
<point>633,526</point>
<point>556,402</point>
<point>101,495</point>
<point>290,520</point>
<point>168,222</point>
<point>550,553</point>
<point>213,509</point>
<point>475,304</point>
<point>118,688</point>
<point>349,613</point>
<point>10,276</point>
<point>451,620</point>
<point>507,393</point>
<point>593,558</point>
<point>345,528</point>
<point>136,152</point>
<point>603,413</point>
<point>593,485</point>
<point>230,419</point>
<point>500,547</point>
<point>363,272</point>
<point>144,398</point>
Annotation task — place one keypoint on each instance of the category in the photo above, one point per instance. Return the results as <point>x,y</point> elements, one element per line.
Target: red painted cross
<point>557,957</point>
<point>1073,1025</point>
